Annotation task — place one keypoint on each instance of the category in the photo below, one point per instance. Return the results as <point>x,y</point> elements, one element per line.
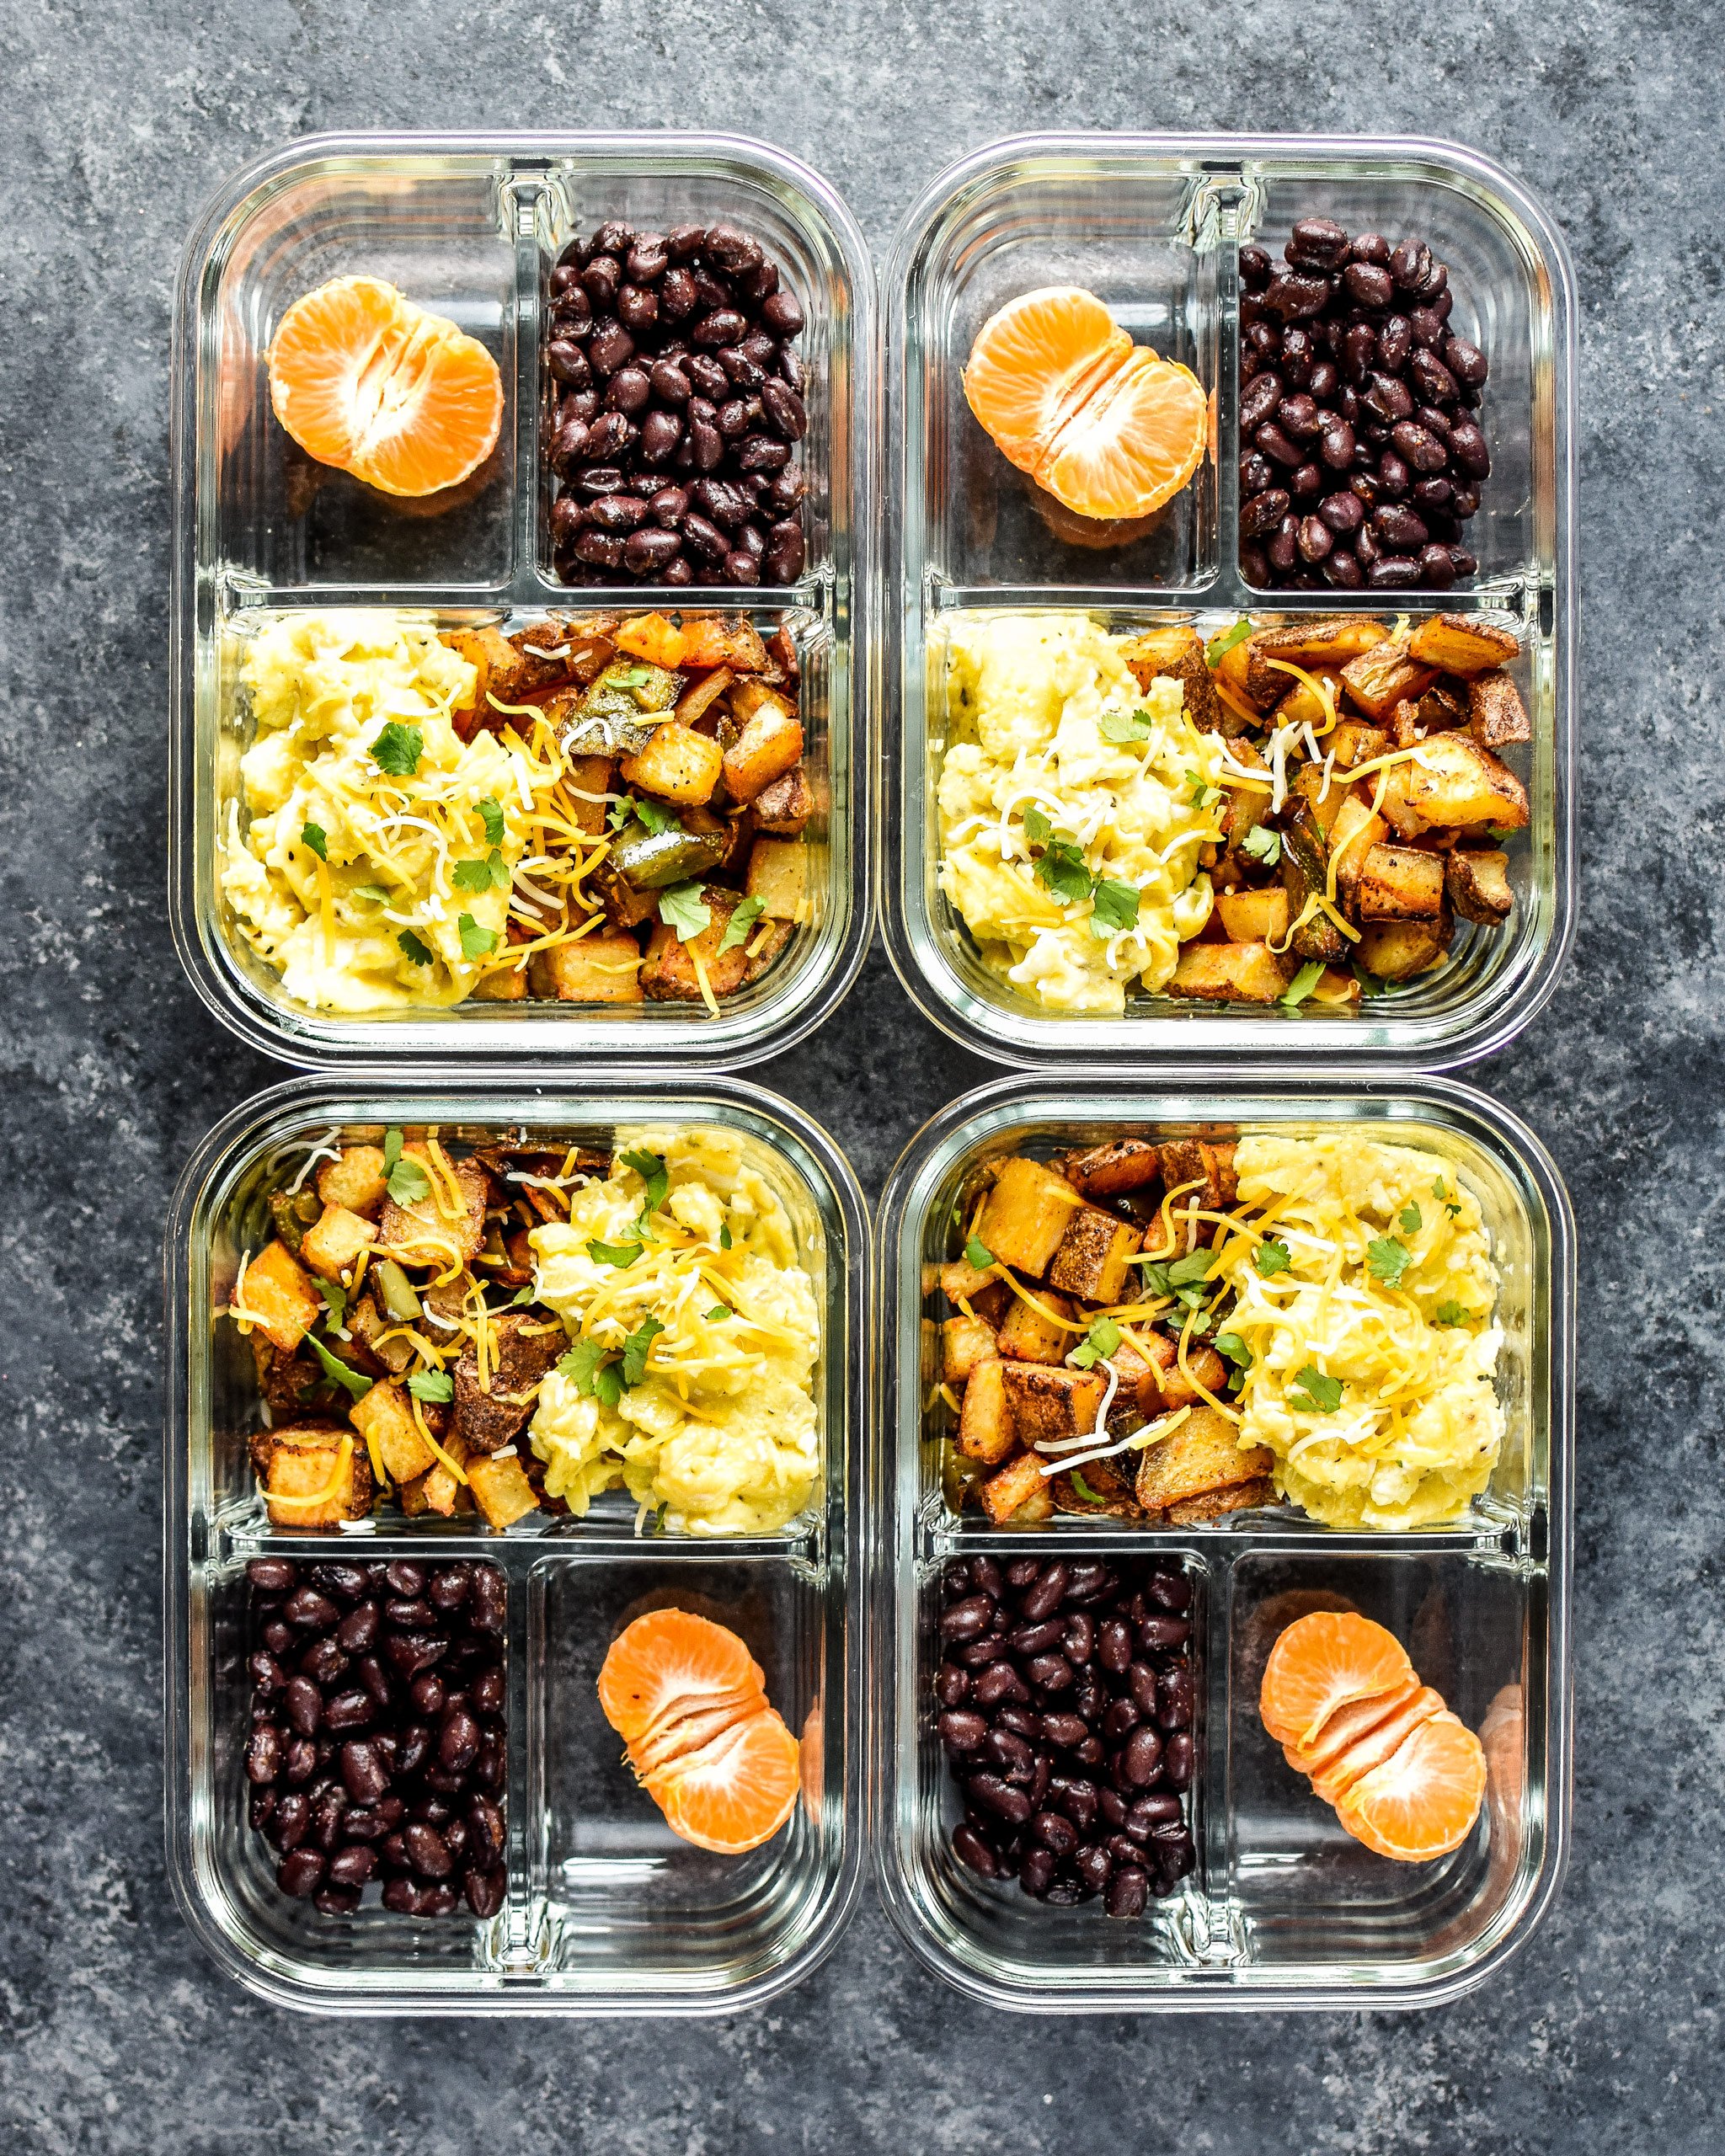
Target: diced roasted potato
<point>676,764</point>
<point>505,985</point>
<point>1323,795</point>
<point>765,941</point>
<point>1026,1213</point>
<point>588,781</point>
<point>965,1341</point>
<point>1097,1488</point>
<point>278,1293</point>
<point>670,975</point>
<point>1204,1454</point>
<point>507,672</point>
<point>1230,973</point>
<point>1254,916</point>
<point>1175,653</point>
<point>1026,1335</point>
<point>1397,882</point>
<point>1208,1162</point>
<point>1094,1256</point>
<point>627,904</point>
<point>356,1181</point>
<point>957,1281</point>
<point>1461,643</point>
<point>777,877</point>
<point>1019,1492</point>
<point>1397,950</point>
<point>1353,742</point>
<point>602,966</point>
<point>1214,1504</point>
<point>1306,856</point>
<point>703,692</point>
<point>1353,834</point>
<point>522,1348</point>
<point>985,1432</point>
<point>1048,1401</point>
<point>501,1489</point>
<point>437,1491</point>
<point>1478,885</point>
<point>723,640</point>
<point>1496,717</point>
<point>1302,706</point>
<point>379,1336</point>
<point>769,743</point>
<point>384,1418</point>
<point>1381,678</point>
<point>1451,780</point>
<point>314,1477</point>
<point>1165,1386</point>
<point>422,1233</point>
<point>784,808</point>
<point>1327,645</point>
<point>333,1246</point>
<point>651,637</point>
<point>1121,1164</point>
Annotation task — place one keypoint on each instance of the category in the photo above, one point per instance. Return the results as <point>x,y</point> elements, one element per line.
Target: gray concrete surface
<point>115,2034</point>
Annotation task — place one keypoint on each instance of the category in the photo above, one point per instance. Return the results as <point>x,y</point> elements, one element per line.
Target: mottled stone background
<point>118,119</point>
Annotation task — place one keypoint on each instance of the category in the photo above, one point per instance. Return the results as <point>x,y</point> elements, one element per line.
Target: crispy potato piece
<point>602,968</point>
<point>333,1246</point>
<point>1353,834</point>
<point>385,1419</point>
<point>437,1491</point>
<point>278,1293</point>
<point>677,764</point>
<point>1397,950</point>
<point>371,1330</point>
<point>1094,1255</point>
<point>1027,1337</point>
<point>1175,653</point>
<point>1230,672</point>
<point>723,640</point>
<point>1478,885</point>
<point>1204,1454</point>
<point>1355,742</point>
<point>501,1490</point>
<point>703,692</point>
<point>1048,1401</point>
<point>1209,1161</point>
<point>1323,798</point>
<point>524,1348</point>
<point>1026,1213</point>
<point>1230,973</point>
<point>1496,717</point>
<point>589,775</point>
<point>1382,677</point>
<point>1215,1504</point>
<point>965,1341</point>
<point>356,1181</point>
<point>505,671</point>
<point>784,808</point>
<point>1254,916</point>
<point>778,871</point>
<point>315,1476</point>
<point>1317,646</point>
<point>421,1233</point>
<point>1302,706</point>
<point>1121,1164</point>
<point>1453,781</point>
<point>769,743</point>
<point>651,637</point>
<point>506,984</point>
<point>1462,643</point>
<point>985,1430</point>
<point>1112,1495</point>
<point>1165,1386</point>
<point>669,975</point>
<point>1397,882</point>
<point>1019,1492</point>
<point>957,1281</point>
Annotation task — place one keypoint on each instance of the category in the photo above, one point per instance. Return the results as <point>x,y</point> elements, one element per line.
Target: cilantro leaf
<point>654,1173</point>
<point>335,1302</point>
<point>724,1236</point>
<point>621,811</point>
<point>1037,827</point>
<point>657,821</point>
<point>1262,844</point>
<point>1303,983</point>
<point>635,1348</point>
<point>374,892</point>
<point>357,1385</point>
<point>1062,870</point>
<point>1321,1395</point>
<point>683,908</point>
<point>491,816</point>
<point>1452,1313</point>
<point>1116,906</point>
<point>719,1311</point>
<point>391,1151</point>
<point>408,1182</point>
<point>1411,1217</point>
<point>978,1254</point>
<point>617,1254</point>
<point>1271,1257</point>
<point>736,929</point>
<point>1124,727</point>
<point>521,1296</point>
<point>397,750</point>
<point>1204,795</point>
<point>1102,1340</point>
<point>317,838</point>
<point>1196,1265</point>
<point>471,876</point>
<point>1235,1349</point>
<point>420,953</point>
<point>1217,650</point>
<point>476,942</point>
<point>431,1384</point>
<point>587,1369</point>
<point>1387,1260</point>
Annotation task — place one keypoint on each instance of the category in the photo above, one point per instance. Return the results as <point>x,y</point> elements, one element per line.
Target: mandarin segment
<point>1422,1801</point>
<point>666,1661</point>
<point>1324,1662</point>
<point>1351,1765</point>
<point>735,1792</point>
<point>1134,445</point>
<point>1035,362</point>
<point>1343,1728</point>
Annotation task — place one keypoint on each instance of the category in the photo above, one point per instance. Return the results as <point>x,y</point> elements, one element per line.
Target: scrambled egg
<point>1416,1431</point>
<point>1031,700</point>
<point>721,1429</point>
<point>351,931</point>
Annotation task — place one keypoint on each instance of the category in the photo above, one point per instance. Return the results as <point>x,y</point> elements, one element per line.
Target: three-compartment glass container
<point>605,1910</point>
<point>471,226</point>
<point>1282,1908</point>
<point>1152,225</point>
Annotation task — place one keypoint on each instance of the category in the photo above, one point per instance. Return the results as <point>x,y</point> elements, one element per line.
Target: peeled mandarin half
<point>1352,1764</point>
<point>1422,1801</point>
<point>1035,362</point>
<point>689,1723</point>
<point>1341,1729</point>
<point>1321,1662</point>
<point>668,1663</point>
<point>736,1792</point>
<point>365,380</point>
<point>1134,445</point>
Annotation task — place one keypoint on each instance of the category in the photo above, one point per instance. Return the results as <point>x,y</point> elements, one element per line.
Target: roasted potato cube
<point>784,808</point>
<point>769,745</point>
<point>1175,653</point>
<point>957,1281</point>
<point>314,1477</point>
<point>356,1181</point>
<point>1204,1454</point>
<point>1320,645</point>
<point>1397,882</point>
<point>1026,1213</point>
<point>677,764</point>
<point>1353,742</point>
<point>1397,950</point>
<point>1353,834</point>
<point>1121,1164</point>
<point>1323,796</point>
<point>1382,677</point>
<point>1209,1162</point>
<point>333,1246</point>
<point>985,1430</point>
<point>777,876</point>
<point>1230,973</point>
<point>438,1490</point>
<point>1165,1386</point>
<point>523,1348</point>
<point>670,975</point>
<point>651,637</point>
<point>1230,674</point>
<point>1047,1401</point>
<point>1496,717</point>
<point>701,695</point>
<point>1095,1255</point>
<point>1452,780</point>
<point>384,1418</point>
<point>501,1489</point>
<point>1097,1488</point>
<point>1019,1492</point>
<point>1461,643</point>
<point>421,1233</point>
<point>587,781</point>
<point>1026,1335</point>
<point>723,640</point>
<point>627,904</point>
<point>1214,1504</point>
<point>279,1295</point>
<point>1254,916</point>
<point>505,985</point>
<point>379,1336</point>
<point>503,672</point>
<point>1478,885</point>
<point>965,1341</point>
<point>600,968</point>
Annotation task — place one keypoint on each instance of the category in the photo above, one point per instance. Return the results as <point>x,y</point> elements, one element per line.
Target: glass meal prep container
<point>604,1912</point>
<point>1282,1908</point>
<point>471,226</point>
<point>1152,225</point>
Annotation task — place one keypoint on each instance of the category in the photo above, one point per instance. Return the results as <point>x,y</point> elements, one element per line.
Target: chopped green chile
<point>399,1300</point>
<point>652,861</point>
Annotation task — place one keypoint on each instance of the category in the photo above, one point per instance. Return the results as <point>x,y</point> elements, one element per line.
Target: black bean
<point>1272,443</point>
<point>1078,1644</point>
<point>645,552</point>
<point>1142,1757</point>
<point>1254,267</point>
<point>1005,1749</point>
<point>1263,512</point>
<point>996,1795</point>
<point>782,563</point>
<point>1043,1596</point>
<point>1063,1731</point>
<point>1394,478</point>
<point>1055,1832</point>
<point>1113,1644</point>
<point>740,568</point>
<point>1401,529</point>
<point>1127,1892</point>
<point>458,1742</point>
<point>1342,512</point>
<point>1050,1673</point>
<point>427,1851</point>
<point>263,1753</point>
<point>363,1772</point>
<point>979,1653</point>
<point>1306,484</point>
<point>974,1852</point>
<point>1337,445</point>
<point>962,1730</point>
<point>1367,285</point>
<point>1420,449</point>
<point>1036,1639</point>
<point>1177,1758</point>
<point>1437,567</point>
<point>1260,402</point>
<point>1467,445</point>
<point>300,1873</point>
<point>782,313</point>
<point>272,1575</point>
<point>969,1619</point>
<point>309,1610</point>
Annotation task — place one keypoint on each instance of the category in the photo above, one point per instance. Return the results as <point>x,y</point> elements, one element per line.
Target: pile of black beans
<point>376,1748</point>
<point>1360,453</point>
<point>1065,1702</point>
<point>678,408</point>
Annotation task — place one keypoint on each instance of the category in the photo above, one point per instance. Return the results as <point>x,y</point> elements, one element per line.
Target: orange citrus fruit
<point>1324,1662</point>
<point>363,379</point>
<point>1353,1763</point>
<point>1107,427</point>
<point>1421,1801</point>
<point>1347,1725</point>
<point>735,1791</point>
<point>667,1662</point>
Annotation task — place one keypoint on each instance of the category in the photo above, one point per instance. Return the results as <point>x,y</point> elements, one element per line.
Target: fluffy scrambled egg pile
<point>376,920</point>
<point>720,1429</point>
<point>1050,732</point>
<point>1372,1336</point>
